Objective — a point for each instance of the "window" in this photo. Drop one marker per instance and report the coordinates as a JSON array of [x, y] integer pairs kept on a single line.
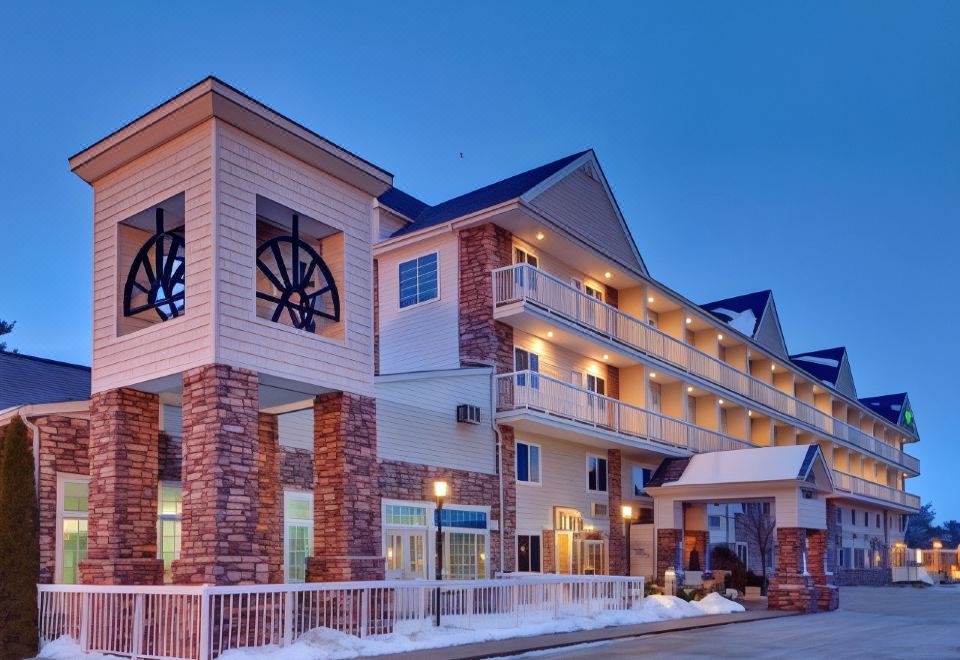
[[297, 534], [866, 518], [593, 292], [714, 522], [653, 319], [655, 397], [766, 508], [528, 463], [419, 280], [400, 514], [691, 409], [169, 515], [853, 516], [596, 474], [528, 553], [521, 256], [596, 385], [858, 558], [878, 521], [723, 421], [73, 493], [742, 552], [839, 516], [466, 555], [641, 476], [524, 360]]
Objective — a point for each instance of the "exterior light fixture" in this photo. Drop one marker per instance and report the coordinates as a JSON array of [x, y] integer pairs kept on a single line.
[[720, 337], [606, 357], [539, 235], [653, 374], [721, 402], [937, 544], [773, 367], [549, 333], [439, 491], [608, 274], [689, 388], [689, 320], [649, 299], [749, 413], [627, 512]]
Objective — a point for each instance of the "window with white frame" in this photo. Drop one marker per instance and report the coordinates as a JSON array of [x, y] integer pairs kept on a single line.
[[73, 497], [466, 555], [596, 384], [419, 280], [521, 256], [297, 534], [653, 319], [596, 474], [524, 360], [593, 292], [655, 397], [169, 522], [528, 463], [641, 476], [714, 522]]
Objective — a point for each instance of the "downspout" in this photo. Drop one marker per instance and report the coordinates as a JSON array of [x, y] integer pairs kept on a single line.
[[36, 449], [499, 434]]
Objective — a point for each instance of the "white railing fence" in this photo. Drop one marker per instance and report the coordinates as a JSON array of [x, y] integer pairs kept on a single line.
[[523, 282], [202, 622], [530, 390], [860, 486]]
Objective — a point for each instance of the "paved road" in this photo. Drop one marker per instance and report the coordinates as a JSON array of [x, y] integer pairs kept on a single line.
[[888, 622]]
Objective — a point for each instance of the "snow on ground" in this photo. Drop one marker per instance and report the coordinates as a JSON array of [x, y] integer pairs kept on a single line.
[[327, 644]]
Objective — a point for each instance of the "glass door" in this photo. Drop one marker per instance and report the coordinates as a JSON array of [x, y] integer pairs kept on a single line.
[[406, 559]]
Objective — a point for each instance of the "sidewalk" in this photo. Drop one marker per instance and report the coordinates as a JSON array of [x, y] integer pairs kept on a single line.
[[517, 645]]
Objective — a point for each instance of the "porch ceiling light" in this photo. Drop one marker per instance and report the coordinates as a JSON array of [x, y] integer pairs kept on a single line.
[[937, 545], [749, 413], [608, 275], [549, 333], [721, 402], [606, 357], [539, 235], [689, 320], [773, 367], [689, 388], [627, 511], [653, 374], [720, 337], [649, 299]]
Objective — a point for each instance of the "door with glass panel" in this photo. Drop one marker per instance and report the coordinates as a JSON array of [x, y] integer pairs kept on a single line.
[[406, 554], [566, 523], [298, 534]]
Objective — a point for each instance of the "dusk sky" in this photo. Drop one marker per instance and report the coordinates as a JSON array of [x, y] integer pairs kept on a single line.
[[809, 148]]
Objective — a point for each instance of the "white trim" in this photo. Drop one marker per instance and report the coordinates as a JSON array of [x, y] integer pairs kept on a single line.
[[300, 496], [438, 373], [437, 298]]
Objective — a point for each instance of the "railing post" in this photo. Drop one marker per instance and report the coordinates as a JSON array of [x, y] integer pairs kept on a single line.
[[203, 634], [288, 601], [515, 595], [85, 622], [136, 646], [364, 612]]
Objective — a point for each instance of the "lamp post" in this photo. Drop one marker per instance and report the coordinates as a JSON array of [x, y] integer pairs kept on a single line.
[[627, 511], [439, 491], [937, 546]]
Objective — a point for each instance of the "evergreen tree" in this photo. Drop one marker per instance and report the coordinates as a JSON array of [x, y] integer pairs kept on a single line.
[[5, 329], [19, 548], [920, 528]]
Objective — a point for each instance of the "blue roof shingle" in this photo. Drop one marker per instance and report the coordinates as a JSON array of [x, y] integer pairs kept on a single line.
[[25, 379]]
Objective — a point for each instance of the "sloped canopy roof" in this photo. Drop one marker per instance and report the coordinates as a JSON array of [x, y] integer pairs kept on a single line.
[[423, 215], [761, 464], [26, 380], [742, 313], [894, 408]]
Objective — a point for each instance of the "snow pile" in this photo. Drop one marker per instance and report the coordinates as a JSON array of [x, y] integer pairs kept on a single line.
[[327, 644]]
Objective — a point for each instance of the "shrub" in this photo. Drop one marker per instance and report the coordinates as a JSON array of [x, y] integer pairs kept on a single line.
[[724, 559], [19, 549], [754, 580]]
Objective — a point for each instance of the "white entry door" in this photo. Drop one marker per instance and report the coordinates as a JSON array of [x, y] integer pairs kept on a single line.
[[406, 558]]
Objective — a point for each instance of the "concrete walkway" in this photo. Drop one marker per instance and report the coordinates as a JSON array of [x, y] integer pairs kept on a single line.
[[520, 645]]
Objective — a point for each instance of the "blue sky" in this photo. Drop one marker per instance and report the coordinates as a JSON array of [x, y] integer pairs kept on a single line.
[[811, 148]]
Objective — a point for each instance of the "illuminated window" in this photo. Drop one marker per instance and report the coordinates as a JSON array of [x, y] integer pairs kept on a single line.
[[400, 514], [528, 553], [73, 494], [169, 516], [297, 534], [466, 555]]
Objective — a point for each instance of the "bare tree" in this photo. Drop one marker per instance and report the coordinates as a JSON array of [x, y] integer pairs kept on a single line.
[[759, 527]]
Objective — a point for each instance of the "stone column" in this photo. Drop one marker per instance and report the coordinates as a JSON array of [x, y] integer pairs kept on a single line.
[[483, 341], [826, 594], [834, 530], [668, 540], [509, 532], [548, 550], [347, 527], [791, 590], [270, 496], [220, 541], [122, 541], [617, 549]]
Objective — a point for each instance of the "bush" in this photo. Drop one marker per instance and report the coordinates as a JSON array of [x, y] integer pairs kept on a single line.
[[691, 594], [19, 549], [724, 559], [754, 580]]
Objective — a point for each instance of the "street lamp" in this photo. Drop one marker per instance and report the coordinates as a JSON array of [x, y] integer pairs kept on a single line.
[[439, 491], [627, 511], [937, 546]]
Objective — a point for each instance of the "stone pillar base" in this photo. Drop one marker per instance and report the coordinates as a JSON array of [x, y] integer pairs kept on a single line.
[[222, 570], [667, 542], [345, 569], [121, 571], [827, 595], [792, 593]]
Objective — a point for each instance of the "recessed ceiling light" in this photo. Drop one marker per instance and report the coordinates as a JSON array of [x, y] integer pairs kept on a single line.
[[653, 374], [689, 389], [649, 299], [773, 367], [608, 274], [606, 357], [721, 402], [720, 337], [549, 333], [539, 235], [689, 320]]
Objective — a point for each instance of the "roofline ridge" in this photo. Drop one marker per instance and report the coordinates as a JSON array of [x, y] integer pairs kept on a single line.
[[37, 358]]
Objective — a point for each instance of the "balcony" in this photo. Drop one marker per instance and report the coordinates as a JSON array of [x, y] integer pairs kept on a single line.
[[874, 491], [521, 288], [530, 392]]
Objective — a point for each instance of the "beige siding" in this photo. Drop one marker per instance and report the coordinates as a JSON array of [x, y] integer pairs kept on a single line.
[[183, 165], [563, 467], [417, 421], [768, 333], [388, 223], [296, 429], [558, 362], [559, 269], [580, 205], [247, 168], [426, 336]]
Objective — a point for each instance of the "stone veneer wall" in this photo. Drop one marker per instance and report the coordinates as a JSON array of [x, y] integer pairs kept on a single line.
[[270, 497], [64, 446], [548, 549], [347, 530], [864, 577], [171, 457], [790, 590], [220, 543], [296, 468], [668, 539], [617, 546], [826, 594], [124, 464], [483, 341], [834, 530]]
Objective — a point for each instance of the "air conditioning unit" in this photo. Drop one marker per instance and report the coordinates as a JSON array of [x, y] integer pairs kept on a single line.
[[599, 510], [468, 414]]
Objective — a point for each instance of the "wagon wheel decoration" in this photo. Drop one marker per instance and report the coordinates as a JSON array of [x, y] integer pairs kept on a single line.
[[304, 285], [157, 272]]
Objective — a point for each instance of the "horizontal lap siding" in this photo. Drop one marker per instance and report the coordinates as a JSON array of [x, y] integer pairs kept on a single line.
[[422, 337], [247, 168], [183, 165], [417, 422], [559, 362], [580, 205], [563, 477]]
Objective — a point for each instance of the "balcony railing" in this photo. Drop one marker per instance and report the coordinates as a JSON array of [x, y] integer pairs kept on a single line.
[[858, 486], [530, 390], [522, 282]]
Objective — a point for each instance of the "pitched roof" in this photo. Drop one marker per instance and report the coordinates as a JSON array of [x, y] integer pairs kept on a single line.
[[741, 313], [25, 379], [496, 193], [824, 364], [670, 469], [792, 462], [892, 407]]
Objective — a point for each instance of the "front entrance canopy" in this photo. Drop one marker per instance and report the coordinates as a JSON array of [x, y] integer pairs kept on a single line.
[[796, 477]]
